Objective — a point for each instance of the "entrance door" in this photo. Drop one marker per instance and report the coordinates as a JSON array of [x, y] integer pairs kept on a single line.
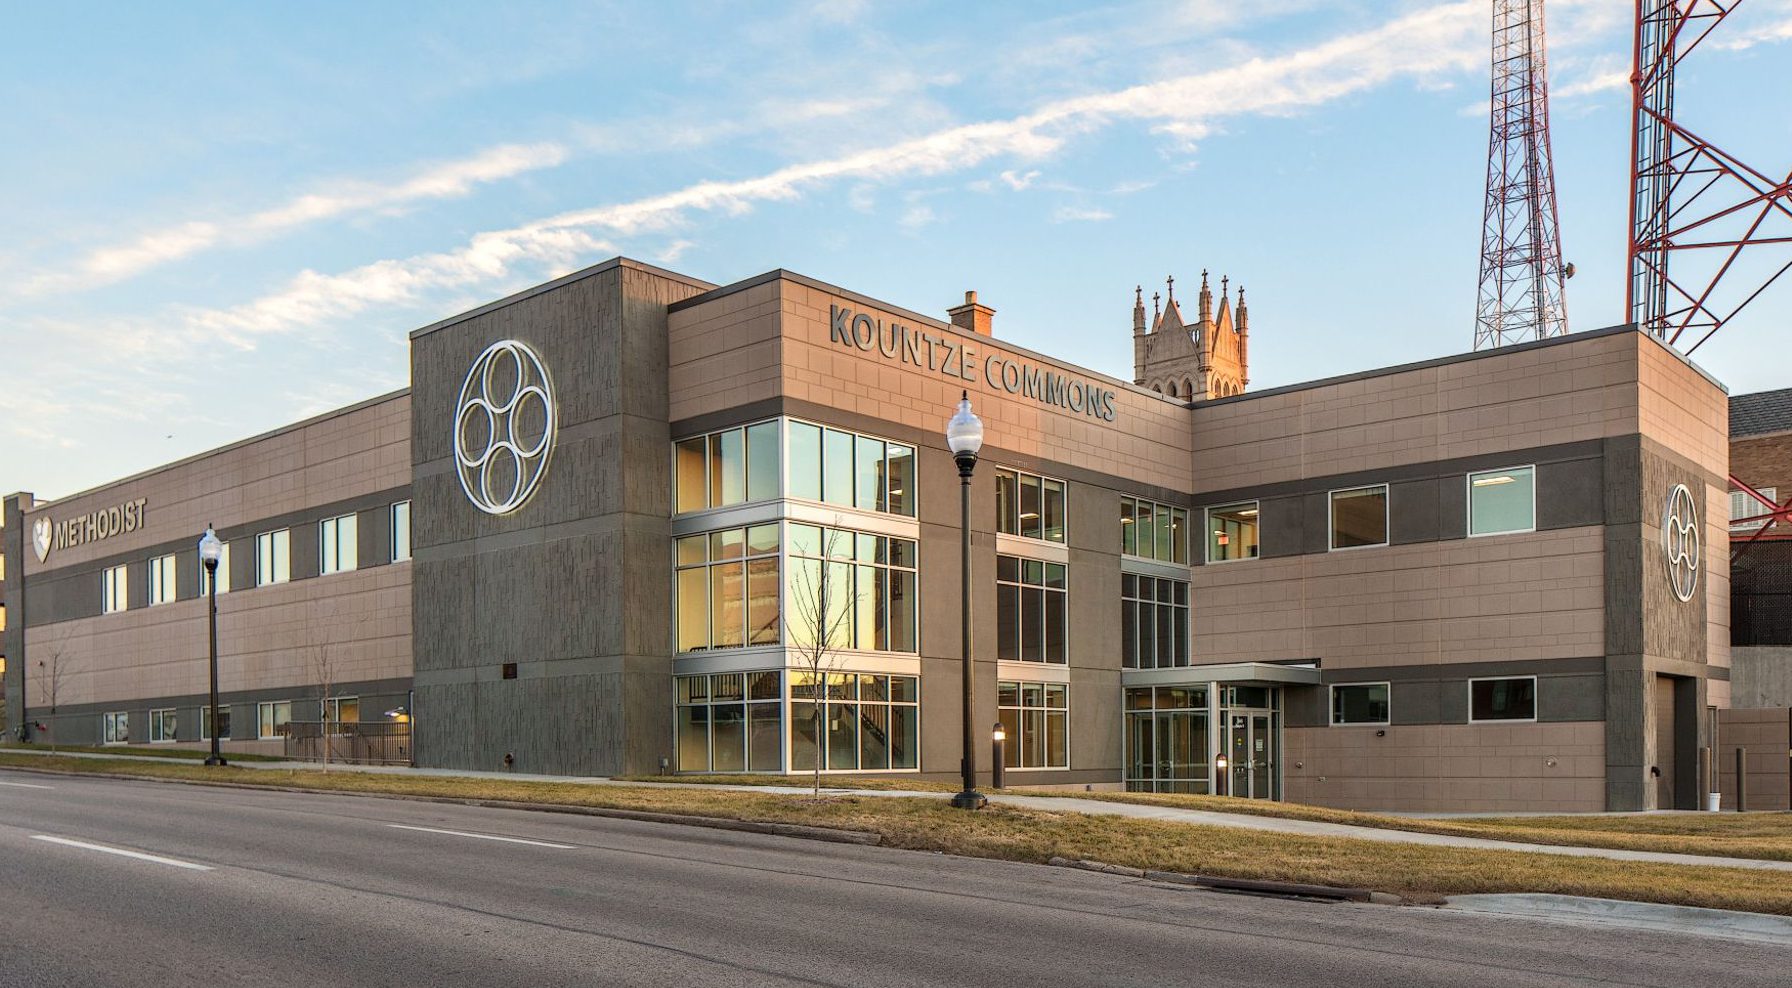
[[1252, 753]]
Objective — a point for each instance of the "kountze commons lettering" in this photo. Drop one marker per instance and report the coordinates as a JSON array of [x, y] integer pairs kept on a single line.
[[955, 359]]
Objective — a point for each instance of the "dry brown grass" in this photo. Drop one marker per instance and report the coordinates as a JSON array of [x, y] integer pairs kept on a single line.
[[1418, 872]]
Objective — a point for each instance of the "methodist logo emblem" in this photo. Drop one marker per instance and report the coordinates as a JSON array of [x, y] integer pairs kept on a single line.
[[43, 533], [1680, 542], [504, 427]]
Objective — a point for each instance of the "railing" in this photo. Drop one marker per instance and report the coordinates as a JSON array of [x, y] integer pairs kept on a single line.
[[363, 744]]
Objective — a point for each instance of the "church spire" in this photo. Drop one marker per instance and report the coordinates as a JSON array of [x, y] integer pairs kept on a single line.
[[1138, 311], [1206, 299]]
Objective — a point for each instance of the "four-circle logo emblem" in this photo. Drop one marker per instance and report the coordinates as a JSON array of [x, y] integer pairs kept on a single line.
[[1680, 542], [504, 427]]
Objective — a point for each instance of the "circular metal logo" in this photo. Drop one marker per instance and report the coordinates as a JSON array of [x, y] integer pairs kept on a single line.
[[1680, 542], [504, 427]]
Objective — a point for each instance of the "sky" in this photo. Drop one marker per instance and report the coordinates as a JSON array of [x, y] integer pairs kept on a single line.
[[220, 218]]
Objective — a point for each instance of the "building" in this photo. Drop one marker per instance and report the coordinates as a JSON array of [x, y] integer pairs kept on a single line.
[[602, 527]]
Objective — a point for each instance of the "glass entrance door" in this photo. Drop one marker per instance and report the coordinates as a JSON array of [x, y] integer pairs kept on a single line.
[[1251, 753]]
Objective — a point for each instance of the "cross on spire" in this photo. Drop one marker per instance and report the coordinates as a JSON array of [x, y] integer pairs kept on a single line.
[[1154, 298], [1171, 281]]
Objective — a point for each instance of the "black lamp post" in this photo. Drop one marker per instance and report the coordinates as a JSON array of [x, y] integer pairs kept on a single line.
[[210, 550], [998, 759], [964, 436]]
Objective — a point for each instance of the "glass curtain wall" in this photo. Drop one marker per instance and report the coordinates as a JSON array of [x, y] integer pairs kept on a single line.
[[854, 722], [730, 722], [1167, 740]]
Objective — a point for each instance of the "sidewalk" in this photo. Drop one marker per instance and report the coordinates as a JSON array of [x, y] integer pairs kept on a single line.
[[1050, 804]]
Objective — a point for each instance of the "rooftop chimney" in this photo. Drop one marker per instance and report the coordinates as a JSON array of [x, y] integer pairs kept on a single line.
[[972, 316]]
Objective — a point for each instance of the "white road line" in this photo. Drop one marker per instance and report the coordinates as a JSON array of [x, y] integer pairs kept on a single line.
[[121, 852], [463, 833], [25, 785]]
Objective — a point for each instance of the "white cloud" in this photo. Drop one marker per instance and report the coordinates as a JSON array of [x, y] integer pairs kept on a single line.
[[918, 216], [1418, 46], [447, 180], [1080, 214], [1017, 181]]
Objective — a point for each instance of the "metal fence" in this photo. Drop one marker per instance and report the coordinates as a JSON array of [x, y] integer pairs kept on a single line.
[[364, 744]]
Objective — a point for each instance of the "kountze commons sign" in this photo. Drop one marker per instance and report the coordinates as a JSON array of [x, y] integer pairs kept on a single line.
[[955, 359]]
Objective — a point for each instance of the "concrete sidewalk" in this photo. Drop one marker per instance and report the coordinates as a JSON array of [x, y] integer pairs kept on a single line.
[[1052, 804]]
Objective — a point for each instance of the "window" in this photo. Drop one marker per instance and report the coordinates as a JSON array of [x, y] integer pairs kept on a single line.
[[1155, 531], [851, 470], [272, 718], [733, 466], [866, 723], [273, 557], [340, 711], [1036, 717], [859, 589], [161, 725], [728, 588], [401, 531], [1360, 517], [1153, 622], [338, 544], [223, 571], [1743, 505], [1502, 699], [161, 580], [1360, 703], [115, 727], [205, 722], [1032, 611], [1502, 501], [1029, 505], [1232, 532], [731, 722], [114, 589], [1166, 739]]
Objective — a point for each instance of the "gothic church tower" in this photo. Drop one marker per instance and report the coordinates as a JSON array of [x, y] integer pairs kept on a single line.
[[1209, 358]]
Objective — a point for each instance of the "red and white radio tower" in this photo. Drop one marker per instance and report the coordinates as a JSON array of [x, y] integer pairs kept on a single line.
[[1690, 200], [1521, 252]]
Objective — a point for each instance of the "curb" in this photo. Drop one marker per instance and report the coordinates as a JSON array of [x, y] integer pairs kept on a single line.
[[829, 834], [1248, 885]]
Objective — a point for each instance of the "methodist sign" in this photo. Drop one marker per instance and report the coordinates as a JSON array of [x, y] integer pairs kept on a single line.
[[956, 359], [95, 526]]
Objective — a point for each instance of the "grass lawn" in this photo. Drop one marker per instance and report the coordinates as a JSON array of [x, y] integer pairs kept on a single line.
[[1730, 835], [928, 824], [146, 750]]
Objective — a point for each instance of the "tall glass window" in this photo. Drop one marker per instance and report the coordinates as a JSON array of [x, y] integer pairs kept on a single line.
[[851, 470], [401, 531], [339, 540], [115, 727], [730, 722], [1030, 505], [1154, 531], [1513, 698], [854, 722], [1036, 717], [1167, 739], [733, 466], [1153, 622], [1232, 532], [115, 585], [728, 588], [273, 557], [1359, 517], [162, 725], [1502, 501], [161, 580], [856, 590], [1032, 611]]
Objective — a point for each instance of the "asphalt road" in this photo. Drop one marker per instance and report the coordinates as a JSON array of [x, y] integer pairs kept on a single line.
[[253, 888]]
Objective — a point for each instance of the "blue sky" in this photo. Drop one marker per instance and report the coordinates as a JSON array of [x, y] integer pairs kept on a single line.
[[222, 217]]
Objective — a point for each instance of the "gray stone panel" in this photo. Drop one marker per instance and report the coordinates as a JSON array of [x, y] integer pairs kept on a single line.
[[1570, 493], [1571, 698], [1419, 702], [307, 550], [1761, 676], [1306, 706], [1283, 526], [373, 536], [1316, 522], [1452, 507], [1413, 511]]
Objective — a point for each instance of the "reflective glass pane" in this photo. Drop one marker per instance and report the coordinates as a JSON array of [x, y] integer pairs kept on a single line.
[[727, 599], [1129, 634], [904, 689], [805, 461], [1056, 635], [868, 474], [693, 739], [762, 539], [1053, 528], [802, 735], [805, 597], [905, 724], [1232, 532], [903, 602], [1011, 726], [728, 732], [867, 603], [1129, 529], [727, 468], [874, 736], [1031, 507], [838, 615], [1007, 502], [836, 466], [762, 461], [1057, 739], [899, 492], [1178, 535], [1162, 549], [762, 602], [765, 737], [692, 481], [1032, 624], [693, 549], [693, 609], [843, 735], [729, 543], [1359, 517], [902, 552], [762, 686], [805, 540], [1501, 501], [1007, 622]]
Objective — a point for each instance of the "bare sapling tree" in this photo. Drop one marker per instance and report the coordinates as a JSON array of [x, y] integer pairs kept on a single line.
[[52, 675], [818, 624], [327, 667]]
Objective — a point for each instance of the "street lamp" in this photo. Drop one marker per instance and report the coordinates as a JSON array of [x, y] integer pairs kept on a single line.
[[210, 550], [964, 436]]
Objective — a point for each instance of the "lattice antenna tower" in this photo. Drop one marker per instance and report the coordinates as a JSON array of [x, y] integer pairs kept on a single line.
[[1692, 201], [1520, 295]]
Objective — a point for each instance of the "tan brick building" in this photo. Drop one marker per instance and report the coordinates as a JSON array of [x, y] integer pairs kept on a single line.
[[1488, 582]]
